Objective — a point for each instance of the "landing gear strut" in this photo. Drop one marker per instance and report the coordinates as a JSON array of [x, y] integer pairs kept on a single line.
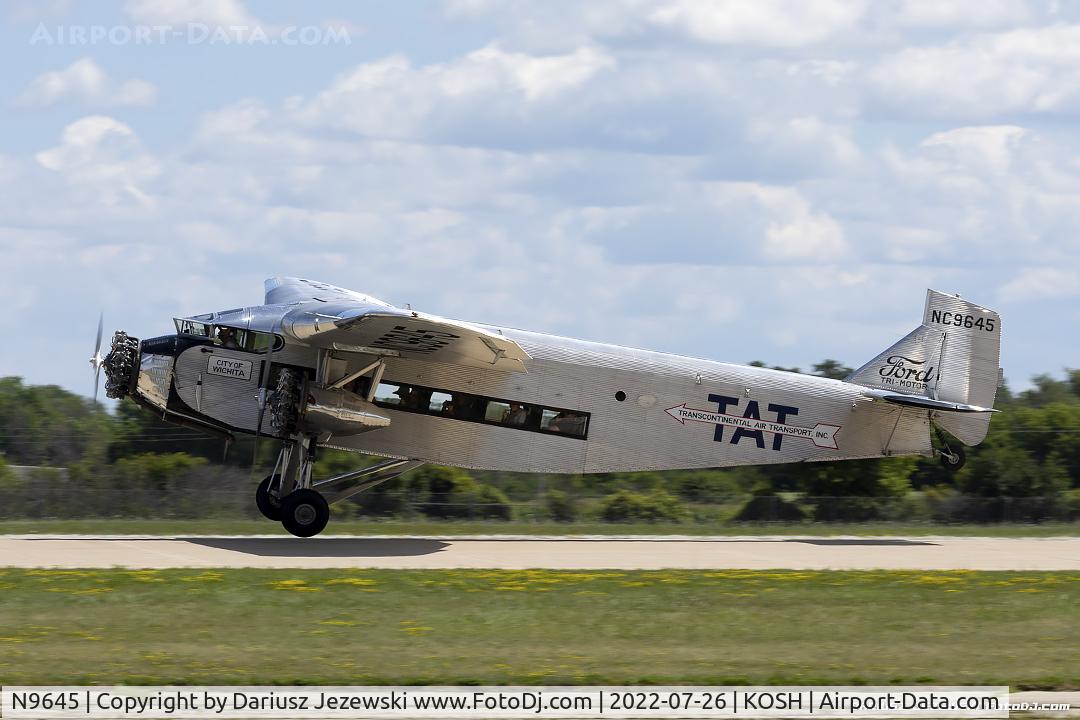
[[269, 505], [303, 507]]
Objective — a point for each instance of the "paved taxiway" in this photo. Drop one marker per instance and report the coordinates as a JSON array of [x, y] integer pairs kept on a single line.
[[516, 552]]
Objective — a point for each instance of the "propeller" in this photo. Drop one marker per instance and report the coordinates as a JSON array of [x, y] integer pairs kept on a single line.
[[96, 361]]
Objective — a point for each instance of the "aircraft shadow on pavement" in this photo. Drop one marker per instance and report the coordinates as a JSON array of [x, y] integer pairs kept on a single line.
[[323, 547], [860, 541]]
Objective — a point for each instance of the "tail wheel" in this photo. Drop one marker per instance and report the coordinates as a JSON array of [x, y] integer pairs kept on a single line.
[[268, 505], [952, 459], [304, 513]]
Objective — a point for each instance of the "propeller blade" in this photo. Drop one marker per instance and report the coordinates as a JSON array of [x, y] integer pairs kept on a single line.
[[96, 361], [100, 327]]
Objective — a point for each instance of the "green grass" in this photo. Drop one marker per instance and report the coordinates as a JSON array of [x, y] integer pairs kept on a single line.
[[434, 528], [539, 627]]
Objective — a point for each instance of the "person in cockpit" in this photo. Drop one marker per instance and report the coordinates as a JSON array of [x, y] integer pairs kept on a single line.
[[227, 338]]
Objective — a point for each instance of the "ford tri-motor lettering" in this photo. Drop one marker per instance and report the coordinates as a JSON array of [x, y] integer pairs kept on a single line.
[[906, 372]]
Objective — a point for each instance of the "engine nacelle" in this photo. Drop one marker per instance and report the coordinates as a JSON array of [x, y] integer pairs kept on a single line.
[[339, 412]]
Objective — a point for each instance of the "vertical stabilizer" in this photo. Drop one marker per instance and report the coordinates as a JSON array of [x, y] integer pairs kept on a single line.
[[953, 357]]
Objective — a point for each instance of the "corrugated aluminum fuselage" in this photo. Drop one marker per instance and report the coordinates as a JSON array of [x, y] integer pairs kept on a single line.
[[677, 412]]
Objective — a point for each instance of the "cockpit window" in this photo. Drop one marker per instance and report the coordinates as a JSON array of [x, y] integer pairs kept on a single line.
[[192, 327], [232, 338], [248, 340]]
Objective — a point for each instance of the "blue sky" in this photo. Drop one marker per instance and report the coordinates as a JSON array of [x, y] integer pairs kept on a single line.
[[737, 180]]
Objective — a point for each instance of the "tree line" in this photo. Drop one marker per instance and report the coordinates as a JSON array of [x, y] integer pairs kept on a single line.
[[129, 462]]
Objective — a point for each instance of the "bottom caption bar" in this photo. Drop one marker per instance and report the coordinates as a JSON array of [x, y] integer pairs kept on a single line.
[[299, 702]]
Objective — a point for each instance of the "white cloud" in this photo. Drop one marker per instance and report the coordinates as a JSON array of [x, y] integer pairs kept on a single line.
[[1041, 283], [1029, 70], [961, 13], [769, 23], [795, 231], [391, 98], [29, 11], [989, 147], [539, 77], [84, 81], [223, 13], [103, 159]]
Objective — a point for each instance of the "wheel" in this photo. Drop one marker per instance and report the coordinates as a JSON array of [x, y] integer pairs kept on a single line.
[[304, 513], [268, 505], [952, 459]]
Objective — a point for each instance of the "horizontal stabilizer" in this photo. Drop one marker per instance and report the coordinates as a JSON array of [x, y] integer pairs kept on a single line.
[[925, 402]]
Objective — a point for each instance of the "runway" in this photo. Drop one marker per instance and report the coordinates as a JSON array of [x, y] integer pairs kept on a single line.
[[522, 551]]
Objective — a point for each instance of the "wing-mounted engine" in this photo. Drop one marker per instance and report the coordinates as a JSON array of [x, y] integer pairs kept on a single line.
[[339, 412], [284, 403], [297, 406]]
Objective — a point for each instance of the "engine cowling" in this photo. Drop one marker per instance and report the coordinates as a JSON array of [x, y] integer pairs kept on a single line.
[[340, 412]]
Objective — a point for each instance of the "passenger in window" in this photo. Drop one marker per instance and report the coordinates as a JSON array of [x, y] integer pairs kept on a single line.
[[408, 396], [518, 415], [567, 422], [422, 399], [468, 407], [555, 423]]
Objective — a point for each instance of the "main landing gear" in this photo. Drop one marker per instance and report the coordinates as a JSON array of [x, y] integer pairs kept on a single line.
[[288, 494]]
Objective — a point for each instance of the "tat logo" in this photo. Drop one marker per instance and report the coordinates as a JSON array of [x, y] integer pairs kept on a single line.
[[750, 425], [905, 372]]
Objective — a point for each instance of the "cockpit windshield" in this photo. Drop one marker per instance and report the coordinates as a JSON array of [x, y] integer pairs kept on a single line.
[[192, 327], [232, 338]]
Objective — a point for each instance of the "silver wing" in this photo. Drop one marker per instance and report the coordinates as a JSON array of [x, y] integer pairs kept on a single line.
[[335, 318]]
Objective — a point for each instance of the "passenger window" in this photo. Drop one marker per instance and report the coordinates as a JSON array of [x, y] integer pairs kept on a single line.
[[476, 408], [547, 420], [441, 403], [564, 422], [468, 407], [524, 416], [388, 394], [497, 412]]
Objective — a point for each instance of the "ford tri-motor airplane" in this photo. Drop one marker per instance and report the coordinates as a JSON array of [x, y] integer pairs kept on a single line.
[[321, 366]]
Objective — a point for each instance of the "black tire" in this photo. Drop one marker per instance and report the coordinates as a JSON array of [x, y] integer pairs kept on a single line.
[[304, 513], [268, 505], [954, 463]]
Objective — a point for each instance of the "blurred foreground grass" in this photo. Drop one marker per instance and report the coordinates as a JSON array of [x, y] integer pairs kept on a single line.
[[539, 627]]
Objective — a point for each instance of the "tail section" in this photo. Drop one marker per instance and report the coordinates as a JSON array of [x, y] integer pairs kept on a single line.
[[949, 365]]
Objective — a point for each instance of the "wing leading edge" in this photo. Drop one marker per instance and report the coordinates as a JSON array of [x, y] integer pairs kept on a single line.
[[338, 319]]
